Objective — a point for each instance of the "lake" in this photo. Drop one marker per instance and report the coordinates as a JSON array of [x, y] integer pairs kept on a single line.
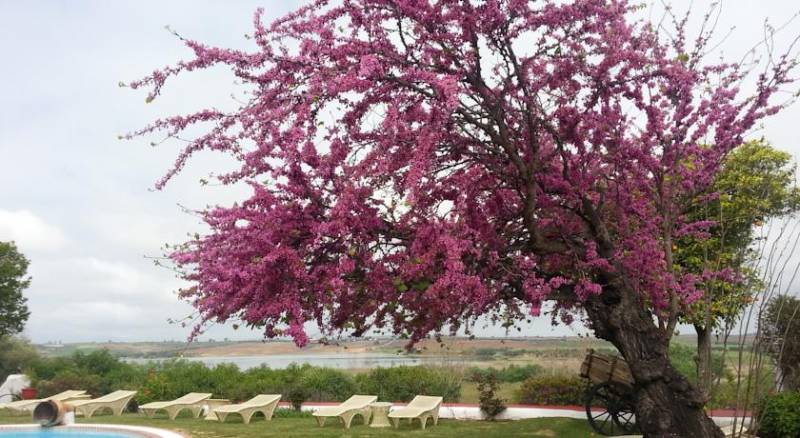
[[342, 360]]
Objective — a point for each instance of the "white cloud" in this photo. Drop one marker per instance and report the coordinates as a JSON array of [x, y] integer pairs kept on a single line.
[[29, 231]]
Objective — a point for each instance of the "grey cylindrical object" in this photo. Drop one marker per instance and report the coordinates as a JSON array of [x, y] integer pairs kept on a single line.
[[50, 413]]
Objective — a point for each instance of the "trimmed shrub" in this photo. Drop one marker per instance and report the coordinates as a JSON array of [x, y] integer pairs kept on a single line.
[[491, 405], [404, 382], [558, 390], [297, 395], [780, 416]]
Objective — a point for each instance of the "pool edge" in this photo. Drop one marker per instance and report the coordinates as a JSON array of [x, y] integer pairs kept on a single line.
[[141, 431]]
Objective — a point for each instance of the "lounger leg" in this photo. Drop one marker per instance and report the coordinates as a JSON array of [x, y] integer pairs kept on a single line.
[[436, 419], [422, 421], [396, 422], [320, 421], [149, 413], [89, 412], [347, 419], [221, 416], [268, 413], [118, 410], [367, 414], [196, 411], [173, 412], [246, 416]]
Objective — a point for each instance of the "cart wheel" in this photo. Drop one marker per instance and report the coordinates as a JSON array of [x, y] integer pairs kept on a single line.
[[609, 410]]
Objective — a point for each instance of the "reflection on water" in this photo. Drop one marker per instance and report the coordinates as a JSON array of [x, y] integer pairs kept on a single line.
[[343, 360]]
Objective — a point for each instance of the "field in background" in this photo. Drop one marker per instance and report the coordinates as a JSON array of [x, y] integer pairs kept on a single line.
[[562, 355], [554, 355]]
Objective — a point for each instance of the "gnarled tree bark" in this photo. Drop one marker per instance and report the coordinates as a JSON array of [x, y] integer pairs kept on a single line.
[[667, 404]]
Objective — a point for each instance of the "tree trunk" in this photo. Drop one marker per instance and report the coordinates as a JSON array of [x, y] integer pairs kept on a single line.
[[704, 375], [666, 404]]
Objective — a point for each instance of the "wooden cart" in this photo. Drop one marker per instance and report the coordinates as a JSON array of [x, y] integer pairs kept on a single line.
[[609, 395]]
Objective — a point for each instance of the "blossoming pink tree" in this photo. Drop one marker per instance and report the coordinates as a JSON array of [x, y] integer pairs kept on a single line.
[[415, 165]]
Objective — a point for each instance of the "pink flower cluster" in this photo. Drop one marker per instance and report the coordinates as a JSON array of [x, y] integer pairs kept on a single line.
[[417, 164]]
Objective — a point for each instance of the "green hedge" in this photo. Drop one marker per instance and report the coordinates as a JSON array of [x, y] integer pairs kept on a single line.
[[402, 383], [99, 372], [558, 390], [173, 379]]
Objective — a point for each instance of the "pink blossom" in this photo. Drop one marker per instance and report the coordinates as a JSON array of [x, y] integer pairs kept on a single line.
[[412, 169]]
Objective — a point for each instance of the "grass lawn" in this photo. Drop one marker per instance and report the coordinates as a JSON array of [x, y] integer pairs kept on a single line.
[[306, 427]]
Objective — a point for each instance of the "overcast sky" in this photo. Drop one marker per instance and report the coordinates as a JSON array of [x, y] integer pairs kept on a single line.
[[78, 202]]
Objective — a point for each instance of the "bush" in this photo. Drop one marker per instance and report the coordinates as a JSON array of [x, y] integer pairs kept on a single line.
[[172, 379], [297, 395], [780, 416], [98, 373], [69, 379], [15, 355], [327, 384], [509, 374], [558, 390], [291, 413], [491, 405], [404, 382]]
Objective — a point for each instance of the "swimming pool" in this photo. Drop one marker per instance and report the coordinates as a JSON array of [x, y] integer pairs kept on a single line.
[[76, 431]]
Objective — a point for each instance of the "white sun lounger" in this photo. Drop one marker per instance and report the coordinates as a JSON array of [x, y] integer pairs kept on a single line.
[[115, 401], [355, 405], [21, 405], [264, 403], [192, 401], [422, 407]]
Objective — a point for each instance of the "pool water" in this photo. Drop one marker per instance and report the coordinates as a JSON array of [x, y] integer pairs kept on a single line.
[[86, 431]]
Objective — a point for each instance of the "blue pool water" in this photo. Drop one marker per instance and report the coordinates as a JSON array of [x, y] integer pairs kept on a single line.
[[36, 433]]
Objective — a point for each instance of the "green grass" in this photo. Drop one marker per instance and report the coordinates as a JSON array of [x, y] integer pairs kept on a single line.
[[307, 427]]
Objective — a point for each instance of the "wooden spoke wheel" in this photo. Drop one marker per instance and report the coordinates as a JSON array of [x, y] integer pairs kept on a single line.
[[609, 409]]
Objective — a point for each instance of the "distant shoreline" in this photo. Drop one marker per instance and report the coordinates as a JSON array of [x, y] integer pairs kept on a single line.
[[450, 346]]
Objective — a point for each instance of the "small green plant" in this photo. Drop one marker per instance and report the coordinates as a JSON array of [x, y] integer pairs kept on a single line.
[[780, 416], [291, 413], [491, 405], [297, 395]]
